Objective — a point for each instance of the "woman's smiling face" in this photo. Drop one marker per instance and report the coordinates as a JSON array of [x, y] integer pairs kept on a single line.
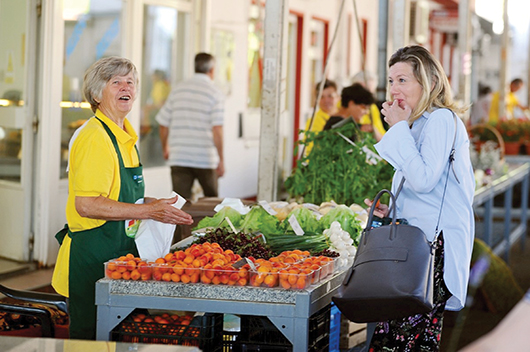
[[118, 95], [404, 87]]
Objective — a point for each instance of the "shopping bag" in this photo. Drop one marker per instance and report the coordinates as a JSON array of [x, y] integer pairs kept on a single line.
[[392, 274], [154, 238]]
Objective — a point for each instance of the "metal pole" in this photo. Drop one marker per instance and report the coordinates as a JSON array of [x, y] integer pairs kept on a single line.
[[382, 48], [273, 96], [504, 63]]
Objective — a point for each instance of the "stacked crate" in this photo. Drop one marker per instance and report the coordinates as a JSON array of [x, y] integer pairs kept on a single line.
[[351, 334]]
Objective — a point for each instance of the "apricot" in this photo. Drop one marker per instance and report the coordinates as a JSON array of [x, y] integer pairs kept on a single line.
[[178, 269], [157, 275], [122, 266], [270, 281], [168, 257], [195, 277], [185, 278], [131, 265], [143, 268], [111, 266], [301, 283], [116, 275], [175, 277], [126, 275], [285, 284], [135, 275]]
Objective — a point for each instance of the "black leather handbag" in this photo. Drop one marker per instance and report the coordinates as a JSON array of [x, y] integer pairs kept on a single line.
[[392, 275]]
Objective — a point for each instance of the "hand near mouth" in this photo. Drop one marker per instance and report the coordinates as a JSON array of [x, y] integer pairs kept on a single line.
[[396, 111]]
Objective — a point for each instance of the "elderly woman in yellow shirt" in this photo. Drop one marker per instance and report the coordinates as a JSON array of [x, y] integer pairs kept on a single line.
[[105, 192]]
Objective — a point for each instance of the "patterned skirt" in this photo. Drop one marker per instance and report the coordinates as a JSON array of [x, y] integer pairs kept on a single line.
[[421, 332]]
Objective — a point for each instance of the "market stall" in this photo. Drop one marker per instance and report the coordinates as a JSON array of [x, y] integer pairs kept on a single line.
[[518, 173], [288, 310]]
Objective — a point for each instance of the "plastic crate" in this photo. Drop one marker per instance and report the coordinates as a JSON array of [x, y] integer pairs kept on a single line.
[[260, 334], [334, 329], [204, 331]]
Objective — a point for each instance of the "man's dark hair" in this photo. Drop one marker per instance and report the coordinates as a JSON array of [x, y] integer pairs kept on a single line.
[[327, 83], [356, 93], [204, 62], [517, 81]]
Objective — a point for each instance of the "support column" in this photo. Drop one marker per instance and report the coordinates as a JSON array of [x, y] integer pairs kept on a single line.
[[273, 96], [400, 24], [465, 8], [504, 61], [382, 50]]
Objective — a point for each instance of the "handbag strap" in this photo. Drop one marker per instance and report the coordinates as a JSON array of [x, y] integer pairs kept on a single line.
[[450, 166]]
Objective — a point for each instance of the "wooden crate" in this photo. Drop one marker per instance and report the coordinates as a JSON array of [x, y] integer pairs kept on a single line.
[[351, 334]]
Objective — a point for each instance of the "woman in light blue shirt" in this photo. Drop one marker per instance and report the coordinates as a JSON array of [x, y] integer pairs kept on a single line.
[[422, 130]]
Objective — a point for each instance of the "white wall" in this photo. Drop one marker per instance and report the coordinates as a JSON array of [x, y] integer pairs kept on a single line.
[[241, 156]]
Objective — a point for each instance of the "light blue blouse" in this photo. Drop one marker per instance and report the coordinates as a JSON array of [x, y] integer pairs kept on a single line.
[[421, 154]]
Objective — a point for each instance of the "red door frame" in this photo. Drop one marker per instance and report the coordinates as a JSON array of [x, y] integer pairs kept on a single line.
[[298, 77]]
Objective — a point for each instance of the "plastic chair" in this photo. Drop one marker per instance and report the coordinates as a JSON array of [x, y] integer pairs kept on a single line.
[[43, 315]]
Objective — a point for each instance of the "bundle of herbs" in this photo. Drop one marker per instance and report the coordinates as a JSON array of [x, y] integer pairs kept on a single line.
[[337, 170]]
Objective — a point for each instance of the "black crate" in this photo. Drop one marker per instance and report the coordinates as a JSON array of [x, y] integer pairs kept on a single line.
[[260, 334], [204, 331]]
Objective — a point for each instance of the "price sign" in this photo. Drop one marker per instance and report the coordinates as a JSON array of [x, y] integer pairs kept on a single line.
[[296, 226], [265, 205]]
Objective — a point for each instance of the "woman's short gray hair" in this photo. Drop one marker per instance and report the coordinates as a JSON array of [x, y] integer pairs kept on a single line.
[[101, 71]]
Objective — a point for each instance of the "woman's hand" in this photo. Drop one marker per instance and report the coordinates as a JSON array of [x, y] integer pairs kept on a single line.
[[395, 111], [163, 210], [380, 210]]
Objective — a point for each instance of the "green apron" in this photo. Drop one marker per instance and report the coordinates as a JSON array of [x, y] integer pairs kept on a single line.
[[91, 248]]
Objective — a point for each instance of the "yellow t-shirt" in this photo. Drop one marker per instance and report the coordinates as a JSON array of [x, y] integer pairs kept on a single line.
[[511, 103], [320, 121], [376, 116], [93, 171]]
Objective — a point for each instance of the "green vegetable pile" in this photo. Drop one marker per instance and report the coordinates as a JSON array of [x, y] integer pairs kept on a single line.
[[336, 170], [279, 235]]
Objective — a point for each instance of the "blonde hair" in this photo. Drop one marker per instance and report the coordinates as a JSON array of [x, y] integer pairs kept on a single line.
[[429, 73], [101, 71]]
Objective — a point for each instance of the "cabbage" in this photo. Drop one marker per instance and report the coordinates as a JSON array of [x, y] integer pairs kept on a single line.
[[258, 219], [217, 221]]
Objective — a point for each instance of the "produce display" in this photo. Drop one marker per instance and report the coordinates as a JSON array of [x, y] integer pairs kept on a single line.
[[208, 263], [278, 245], [337, 170], [278, 230]]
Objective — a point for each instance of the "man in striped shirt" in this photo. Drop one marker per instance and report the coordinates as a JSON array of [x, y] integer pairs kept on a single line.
[[191, 129]]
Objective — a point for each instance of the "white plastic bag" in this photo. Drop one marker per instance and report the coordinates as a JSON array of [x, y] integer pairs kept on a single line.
[[154, 238]]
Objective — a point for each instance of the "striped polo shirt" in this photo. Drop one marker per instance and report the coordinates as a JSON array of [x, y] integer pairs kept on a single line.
[[191, 110]]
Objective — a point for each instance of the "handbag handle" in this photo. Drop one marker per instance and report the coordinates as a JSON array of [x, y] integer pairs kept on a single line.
[[371, 214]]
